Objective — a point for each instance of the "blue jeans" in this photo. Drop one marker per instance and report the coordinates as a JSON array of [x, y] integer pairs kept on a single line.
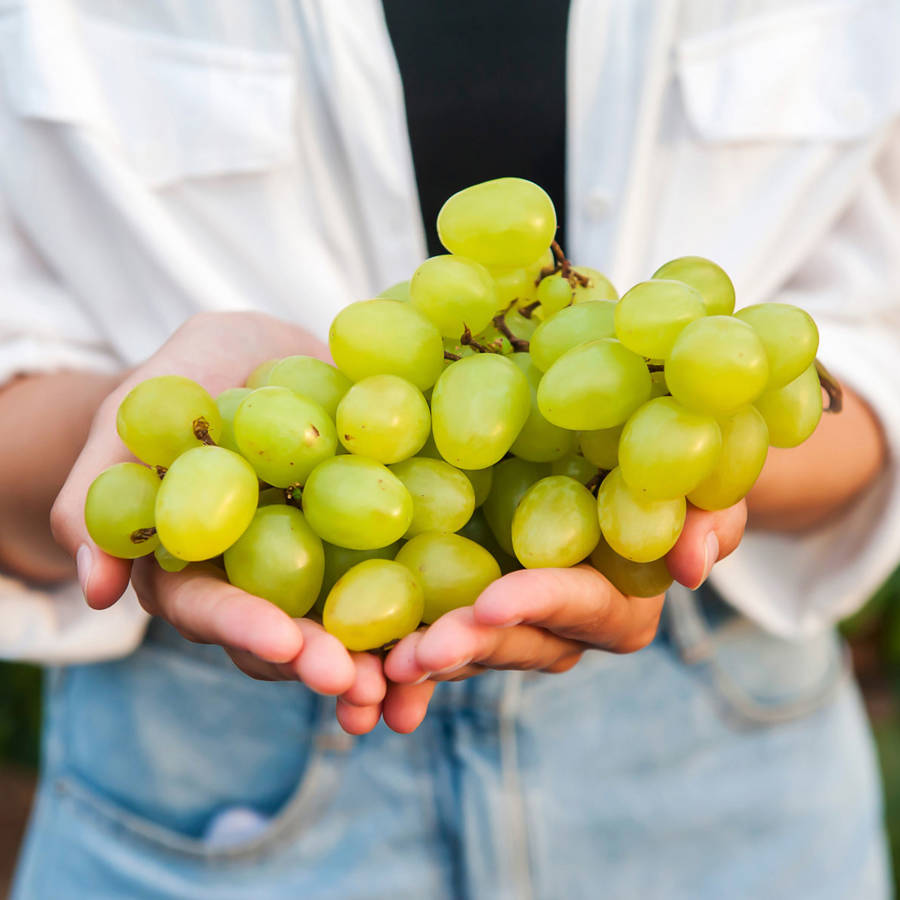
[[715, 763]]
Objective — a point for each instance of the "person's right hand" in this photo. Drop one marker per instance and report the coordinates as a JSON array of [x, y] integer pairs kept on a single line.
[[218, 350]]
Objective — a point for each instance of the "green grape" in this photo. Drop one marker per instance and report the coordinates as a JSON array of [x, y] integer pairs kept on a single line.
[[544, 263], [717, 365], [478, 408], [523, 327], [119, 510], [259, 377], [513, 285], [504, 222], [455, 293], [385, 418], [357, 503], [271, 497], [665, 450], [633, 579], [571, 327], [283, 435], [704, 276], [653, 313], [555, 524], [601, 447], [443, 497], [383, 337], [574, 466], [312, 379], [555, 293], [512, 478], [478, 530], [398, 291], [162, 417], [597, 385], [658, 386], [228, 402], [205, 502], [166, 561], [745, 442], [598, 286], [481, 480], [452, 570], [793, 411], [789, 335], [639, 530], [377, 602], [539, 441], [339, 560], [457, 349], [278, 558]]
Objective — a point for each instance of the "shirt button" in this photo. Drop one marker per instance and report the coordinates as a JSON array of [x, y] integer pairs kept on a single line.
[[598, 204]]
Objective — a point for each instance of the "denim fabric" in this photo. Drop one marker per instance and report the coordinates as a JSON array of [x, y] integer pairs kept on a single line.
[[627, 777]]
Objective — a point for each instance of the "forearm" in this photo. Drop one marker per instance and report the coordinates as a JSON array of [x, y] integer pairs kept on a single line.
[[803, 486], [44, 420]]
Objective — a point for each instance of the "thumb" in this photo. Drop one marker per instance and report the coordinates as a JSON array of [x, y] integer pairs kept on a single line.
[[706, 538]]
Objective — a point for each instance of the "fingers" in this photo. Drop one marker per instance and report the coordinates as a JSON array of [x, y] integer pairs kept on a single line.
[[405, 705], [456, 645], [369, 684], [201, 605], [357, 719], [706, 538], [577, 604]]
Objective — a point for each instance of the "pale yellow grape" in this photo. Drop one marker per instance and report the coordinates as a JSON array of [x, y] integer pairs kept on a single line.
[[789, 335], [599, 287], [481, 480], [717, 365], [504, 222], [554, 293], [478, 530], [398, 291], [478, 408], [357, 503], [745, 443], [278, 558], [384, 337], [571, 327], [639, 530], [596, 385], [312, 379], [666, 450], [452, 570], [704, 276], [651, 315], [793, 411], [574, 466], [339, 560], [539, 440], [228, 402], [443, 497], [166, 561], [119, 510], [512, 478], [205, 502], [259, 377], [631, 578], [383, 417], [555, 524], [601, 447], [455, 293], [283, 435], [377, 602], [513, 285], [162, 417]]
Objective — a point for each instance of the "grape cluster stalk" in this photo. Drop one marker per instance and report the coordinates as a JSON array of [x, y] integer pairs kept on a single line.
[[502, 409]]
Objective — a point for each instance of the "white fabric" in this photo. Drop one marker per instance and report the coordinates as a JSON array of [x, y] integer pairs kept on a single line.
[[160, 158]]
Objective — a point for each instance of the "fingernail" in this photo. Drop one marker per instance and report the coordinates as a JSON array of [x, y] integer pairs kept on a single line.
[[454, 668], [84, 560], [421, 680], [511, 623], [712, 554]]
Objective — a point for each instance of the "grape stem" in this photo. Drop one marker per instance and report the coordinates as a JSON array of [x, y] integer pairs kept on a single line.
[[527, 311], [468, 341], [160, 471], [142, 534], [832, 387], [293, 495], [451, 356], [594, 484], [201, 432], [518, 344], [565, 267]]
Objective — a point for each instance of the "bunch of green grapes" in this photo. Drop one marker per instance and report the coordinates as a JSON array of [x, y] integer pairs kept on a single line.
[[500, 409]]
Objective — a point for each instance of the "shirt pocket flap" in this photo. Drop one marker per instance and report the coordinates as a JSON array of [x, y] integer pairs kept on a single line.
[[824, 71], [174, 108]]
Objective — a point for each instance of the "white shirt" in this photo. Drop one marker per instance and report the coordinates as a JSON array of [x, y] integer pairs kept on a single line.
[[160, 158]]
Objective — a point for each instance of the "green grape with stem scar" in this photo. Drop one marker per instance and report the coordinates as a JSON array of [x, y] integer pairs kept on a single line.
[[119, 510]]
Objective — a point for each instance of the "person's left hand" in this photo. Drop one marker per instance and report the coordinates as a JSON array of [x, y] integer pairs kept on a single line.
[[537, 619]]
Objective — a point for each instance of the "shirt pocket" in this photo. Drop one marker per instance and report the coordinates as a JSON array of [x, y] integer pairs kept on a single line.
[[818, 72], [171, 107]]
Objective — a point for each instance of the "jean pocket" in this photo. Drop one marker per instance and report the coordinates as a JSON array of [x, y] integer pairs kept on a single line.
[[158, 747]]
